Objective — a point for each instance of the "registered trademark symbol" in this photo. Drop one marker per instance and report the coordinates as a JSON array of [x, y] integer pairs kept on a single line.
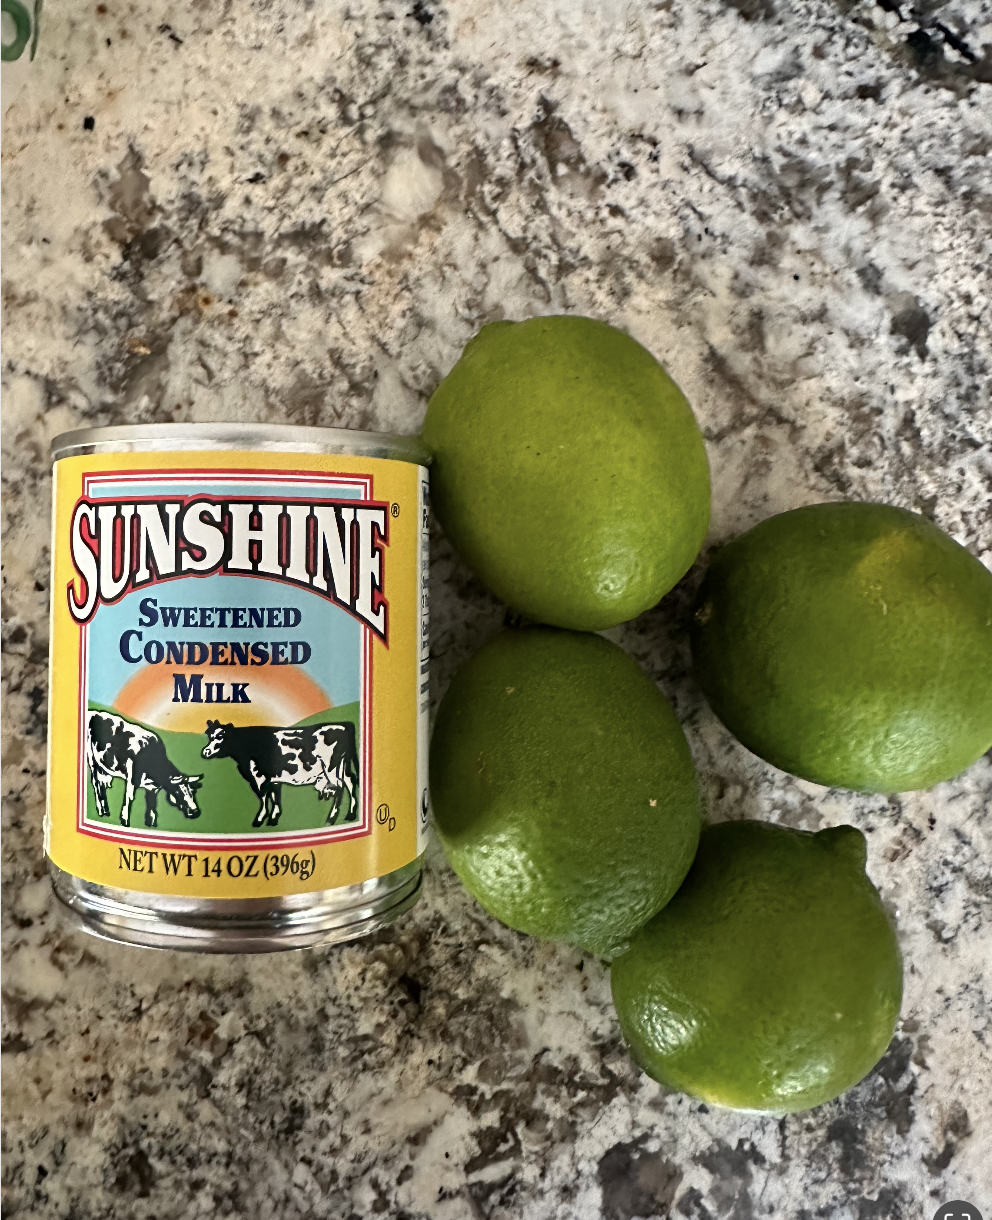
[[394, 510]]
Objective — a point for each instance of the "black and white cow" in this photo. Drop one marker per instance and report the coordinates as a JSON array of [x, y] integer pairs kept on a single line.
[[118, 749], [321, 756]]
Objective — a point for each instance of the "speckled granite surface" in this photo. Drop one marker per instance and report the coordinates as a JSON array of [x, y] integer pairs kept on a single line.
[[300, 212]]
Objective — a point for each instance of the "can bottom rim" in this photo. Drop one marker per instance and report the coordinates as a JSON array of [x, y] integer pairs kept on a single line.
[[95, 910]]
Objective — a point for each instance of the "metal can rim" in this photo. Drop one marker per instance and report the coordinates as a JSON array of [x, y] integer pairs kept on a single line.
[[287, 438]]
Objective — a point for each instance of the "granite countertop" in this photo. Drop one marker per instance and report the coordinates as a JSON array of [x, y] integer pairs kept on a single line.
[[299, 212]]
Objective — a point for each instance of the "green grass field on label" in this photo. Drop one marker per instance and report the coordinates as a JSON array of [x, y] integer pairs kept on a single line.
[[226, 801]]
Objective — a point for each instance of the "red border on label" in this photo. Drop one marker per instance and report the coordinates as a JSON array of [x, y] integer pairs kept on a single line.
[[271, 840]]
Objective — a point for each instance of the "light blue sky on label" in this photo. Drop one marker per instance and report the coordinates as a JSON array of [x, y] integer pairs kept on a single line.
[[334, 635], [209, 484]]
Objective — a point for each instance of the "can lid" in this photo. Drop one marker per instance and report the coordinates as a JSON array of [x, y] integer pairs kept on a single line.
[[285, 438]]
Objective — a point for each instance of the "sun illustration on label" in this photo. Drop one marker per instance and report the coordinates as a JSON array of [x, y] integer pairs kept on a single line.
[[279, 695]]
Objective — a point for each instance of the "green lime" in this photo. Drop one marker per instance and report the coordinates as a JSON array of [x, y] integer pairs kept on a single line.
[[772, 980], [850, 644], [563, 788], [568, 471]]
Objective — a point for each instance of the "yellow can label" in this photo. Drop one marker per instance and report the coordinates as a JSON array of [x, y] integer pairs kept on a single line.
[[238, 671]]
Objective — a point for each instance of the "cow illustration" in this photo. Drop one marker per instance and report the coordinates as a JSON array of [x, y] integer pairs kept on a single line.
[[118, 749], [319, 756]]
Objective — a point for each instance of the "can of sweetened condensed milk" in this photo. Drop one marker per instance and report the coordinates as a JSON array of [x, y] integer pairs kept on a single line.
[[238, 712]]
